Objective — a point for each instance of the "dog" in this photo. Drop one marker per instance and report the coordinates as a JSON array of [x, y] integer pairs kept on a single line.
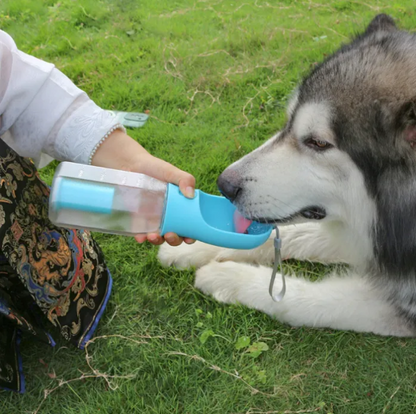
[[340, 182]]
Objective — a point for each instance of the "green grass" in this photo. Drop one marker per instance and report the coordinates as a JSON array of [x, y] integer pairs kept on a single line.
[[215, 76]]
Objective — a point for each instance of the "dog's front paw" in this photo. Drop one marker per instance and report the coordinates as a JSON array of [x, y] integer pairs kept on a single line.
[[222, 280], [187, 255]]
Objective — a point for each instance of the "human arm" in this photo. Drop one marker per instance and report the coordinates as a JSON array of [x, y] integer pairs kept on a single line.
[[43, 112]]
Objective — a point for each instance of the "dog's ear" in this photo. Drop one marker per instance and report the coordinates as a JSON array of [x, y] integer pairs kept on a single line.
[[406, 122], [382, 22]]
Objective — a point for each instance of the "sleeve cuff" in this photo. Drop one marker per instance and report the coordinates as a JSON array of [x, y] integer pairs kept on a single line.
[[83, 132]]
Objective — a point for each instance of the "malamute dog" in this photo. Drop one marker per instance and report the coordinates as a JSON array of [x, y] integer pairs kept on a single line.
[[340, 180]]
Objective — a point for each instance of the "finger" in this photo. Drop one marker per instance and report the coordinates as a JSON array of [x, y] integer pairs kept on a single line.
[[164, 171], [141, 238], [173, 239], [158, 242], [184, 180], [187, 185], [187, 240], [155, 238]]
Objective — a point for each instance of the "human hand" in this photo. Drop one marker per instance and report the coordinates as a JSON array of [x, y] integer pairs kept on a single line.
[[119, 151], [162, 170]]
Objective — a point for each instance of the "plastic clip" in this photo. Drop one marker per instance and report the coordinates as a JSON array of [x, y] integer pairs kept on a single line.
[[277, 264]]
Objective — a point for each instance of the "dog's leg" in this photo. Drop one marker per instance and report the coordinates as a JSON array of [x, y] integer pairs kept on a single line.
[[185, 255], [313, 242], [346, 303], [308, 241]]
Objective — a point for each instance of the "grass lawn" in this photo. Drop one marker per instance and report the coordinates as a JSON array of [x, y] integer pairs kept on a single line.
[[215, 76]]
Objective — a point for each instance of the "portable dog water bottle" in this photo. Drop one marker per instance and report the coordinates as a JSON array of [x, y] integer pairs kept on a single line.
[[120, 202]]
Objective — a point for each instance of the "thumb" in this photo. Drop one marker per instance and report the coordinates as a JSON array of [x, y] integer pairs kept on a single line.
[[162, 170]]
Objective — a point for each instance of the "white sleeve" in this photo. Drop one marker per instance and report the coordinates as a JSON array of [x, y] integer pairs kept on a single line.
[[43, 111]]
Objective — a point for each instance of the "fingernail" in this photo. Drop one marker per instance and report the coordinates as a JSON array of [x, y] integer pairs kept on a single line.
[[152, 237], [189, 192]]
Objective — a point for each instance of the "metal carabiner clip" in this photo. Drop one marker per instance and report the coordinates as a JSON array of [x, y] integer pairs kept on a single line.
[[277, 264]]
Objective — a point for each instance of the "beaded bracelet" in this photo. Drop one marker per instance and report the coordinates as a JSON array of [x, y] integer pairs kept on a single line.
[[110, 131]]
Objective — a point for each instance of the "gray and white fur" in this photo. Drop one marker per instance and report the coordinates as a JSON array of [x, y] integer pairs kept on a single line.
[[340, 180]]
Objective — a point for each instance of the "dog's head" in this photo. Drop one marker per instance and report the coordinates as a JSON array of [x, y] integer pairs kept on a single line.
[[348, 150]]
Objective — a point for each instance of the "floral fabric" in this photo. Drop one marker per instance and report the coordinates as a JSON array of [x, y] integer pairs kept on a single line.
[[49, 276]]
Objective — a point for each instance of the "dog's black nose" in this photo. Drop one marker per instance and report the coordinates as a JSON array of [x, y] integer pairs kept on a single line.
[[229, 187]]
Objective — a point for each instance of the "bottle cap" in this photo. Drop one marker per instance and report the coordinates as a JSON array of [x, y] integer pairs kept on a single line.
[[210, 219]]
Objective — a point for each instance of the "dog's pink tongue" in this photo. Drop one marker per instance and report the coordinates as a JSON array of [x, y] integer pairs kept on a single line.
[[241, 224]]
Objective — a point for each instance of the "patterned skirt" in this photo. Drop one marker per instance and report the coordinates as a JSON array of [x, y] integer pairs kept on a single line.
[[50, 278]]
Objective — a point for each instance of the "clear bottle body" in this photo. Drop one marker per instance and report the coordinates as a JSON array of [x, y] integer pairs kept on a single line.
[[106, 200]]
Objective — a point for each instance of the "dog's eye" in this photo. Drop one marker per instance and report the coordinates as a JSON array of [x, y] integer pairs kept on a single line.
[[317, 144]]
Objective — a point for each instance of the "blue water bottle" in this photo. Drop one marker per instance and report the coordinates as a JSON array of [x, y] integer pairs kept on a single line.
[[127, 203]]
